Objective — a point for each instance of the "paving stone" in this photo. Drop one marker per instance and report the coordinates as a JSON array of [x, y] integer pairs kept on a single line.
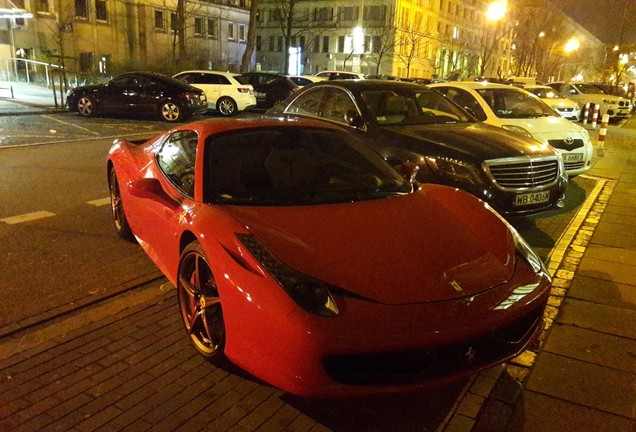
[[593, 347], [607, 319], [603, 269], [604, 292], [585, 384], [540, 413]]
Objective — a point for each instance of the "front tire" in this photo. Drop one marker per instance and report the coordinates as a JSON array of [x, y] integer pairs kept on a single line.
[[117, 207], [170, 112], [226, 106], [200, 303], [86, 106]]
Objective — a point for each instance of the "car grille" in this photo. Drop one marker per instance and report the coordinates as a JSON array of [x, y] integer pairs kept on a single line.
[[405, 367], [522, 173], [623, 103], [562, 144], [574, 165], [565, 109]]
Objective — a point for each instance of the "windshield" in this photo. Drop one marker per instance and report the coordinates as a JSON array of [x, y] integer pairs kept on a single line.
[[412, 107], [295, 166], [545, 92], [589, 89], [515, 103]]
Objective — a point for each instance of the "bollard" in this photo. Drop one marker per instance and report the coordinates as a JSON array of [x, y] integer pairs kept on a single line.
[[586, 113], [597, 107], [603, 131]]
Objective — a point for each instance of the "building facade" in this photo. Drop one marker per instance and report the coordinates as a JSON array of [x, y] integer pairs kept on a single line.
[[109, 36], [404, 38]]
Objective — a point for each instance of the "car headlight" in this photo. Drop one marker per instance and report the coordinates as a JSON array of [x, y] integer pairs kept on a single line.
[[523, 249], [453, 169], [517, 129], [311, 294]]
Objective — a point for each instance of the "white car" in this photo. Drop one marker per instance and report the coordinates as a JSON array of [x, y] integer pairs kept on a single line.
[[518, 110], [582, 93], [566, 107], [333, 75], [225, 94], [303, 80]]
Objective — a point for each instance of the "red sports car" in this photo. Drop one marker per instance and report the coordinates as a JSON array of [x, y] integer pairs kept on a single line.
[[302, 257]]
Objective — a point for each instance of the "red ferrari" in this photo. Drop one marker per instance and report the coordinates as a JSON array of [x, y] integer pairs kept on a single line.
[[302, 257]]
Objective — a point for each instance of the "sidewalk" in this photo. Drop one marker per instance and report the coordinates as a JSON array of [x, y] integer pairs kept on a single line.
[[27, 99], [583, 377], [132, 368]]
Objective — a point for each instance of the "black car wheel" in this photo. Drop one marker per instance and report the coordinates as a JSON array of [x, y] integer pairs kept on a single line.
[[226, 106], [117, 207], [170, 112], [86, 106], [200, 304]]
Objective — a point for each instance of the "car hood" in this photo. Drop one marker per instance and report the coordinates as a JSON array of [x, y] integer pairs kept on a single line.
[[565, 103], [544, 125], [468, 141], [433, 245]]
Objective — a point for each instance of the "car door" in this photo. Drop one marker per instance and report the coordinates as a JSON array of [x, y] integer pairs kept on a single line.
[[175, 169], [145, 97], [119, 94]]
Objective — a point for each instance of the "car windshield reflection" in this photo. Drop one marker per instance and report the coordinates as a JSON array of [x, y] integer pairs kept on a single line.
[[295, 166], [511, 103], [411, 107]]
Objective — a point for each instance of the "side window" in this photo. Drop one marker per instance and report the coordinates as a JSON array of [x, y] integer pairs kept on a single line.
[[467, 101], [308, 103], [176, 159], [336, 106]]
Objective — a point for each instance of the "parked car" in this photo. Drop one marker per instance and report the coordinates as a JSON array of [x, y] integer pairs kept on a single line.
[[565, 107], [305, 259], [616, 91], [225, 94], [409, 122], [339, 75], [269, 88], [616, 107], [139, 93], [518, 110], [303, 80]]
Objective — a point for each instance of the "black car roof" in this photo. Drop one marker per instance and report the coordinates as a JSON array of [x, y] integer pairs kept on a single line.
[[364, 84]]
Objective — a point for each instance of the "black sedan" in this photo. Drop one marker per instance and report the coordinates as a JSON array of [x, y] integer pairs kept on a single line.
[[139, 93], [270, 88], [410, 123]]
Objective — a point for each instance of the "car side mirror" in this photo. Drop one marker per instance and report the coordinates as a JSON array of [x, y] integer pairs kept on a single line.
[[409, 171], [150, 188], [354, 119]]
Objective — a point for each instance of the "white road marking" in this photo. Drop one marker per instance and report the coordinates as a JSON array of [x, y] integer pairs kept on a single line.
[[99, 202], [27, 217], [70, 124]]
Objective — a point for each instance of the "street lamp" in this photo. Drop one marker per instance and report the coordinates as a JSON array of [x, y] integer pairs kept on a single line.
[[571, 45], [496, 10]]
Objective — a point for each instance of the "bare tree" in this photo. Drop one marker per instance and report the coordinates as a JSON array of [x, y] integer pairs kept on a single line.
[[250, 47], [411, 40]]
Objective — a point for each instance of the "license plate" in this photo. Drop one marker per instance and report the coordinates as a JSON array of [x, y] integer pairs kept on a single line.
[[572, 157], [532, 198]]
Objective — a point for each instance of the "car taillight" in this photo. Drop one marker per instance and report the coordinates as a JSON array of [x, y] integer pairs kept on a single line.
[[243, 90]]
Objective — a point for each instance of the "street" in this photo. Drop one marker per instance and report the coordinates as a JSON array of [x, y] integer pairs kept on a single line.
[[60, 253]]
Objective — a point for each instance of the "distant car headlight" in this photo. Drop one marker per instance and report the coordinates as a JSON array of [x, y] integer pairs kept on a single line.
[[453, 169], [517, 129], [309, 293]]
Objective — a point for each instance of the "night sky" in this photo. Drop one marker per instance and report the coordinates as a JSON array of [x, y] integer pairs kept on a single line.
[[604, 18]]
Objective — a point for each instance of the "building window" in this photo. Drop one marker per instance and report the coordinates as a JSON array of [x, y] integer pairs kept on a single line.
[[274, 15], [230, 31], [376, 13], [325, 44], [271, 43], [348, 13], [42, 6], [81, 8], [198, 26], [173, 22], [211, 28], [258, 42], [279, 43], [159, 20], [101, 14], [341, 44], [316, 44], [86, 62], [323, 14], [241, 32]]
